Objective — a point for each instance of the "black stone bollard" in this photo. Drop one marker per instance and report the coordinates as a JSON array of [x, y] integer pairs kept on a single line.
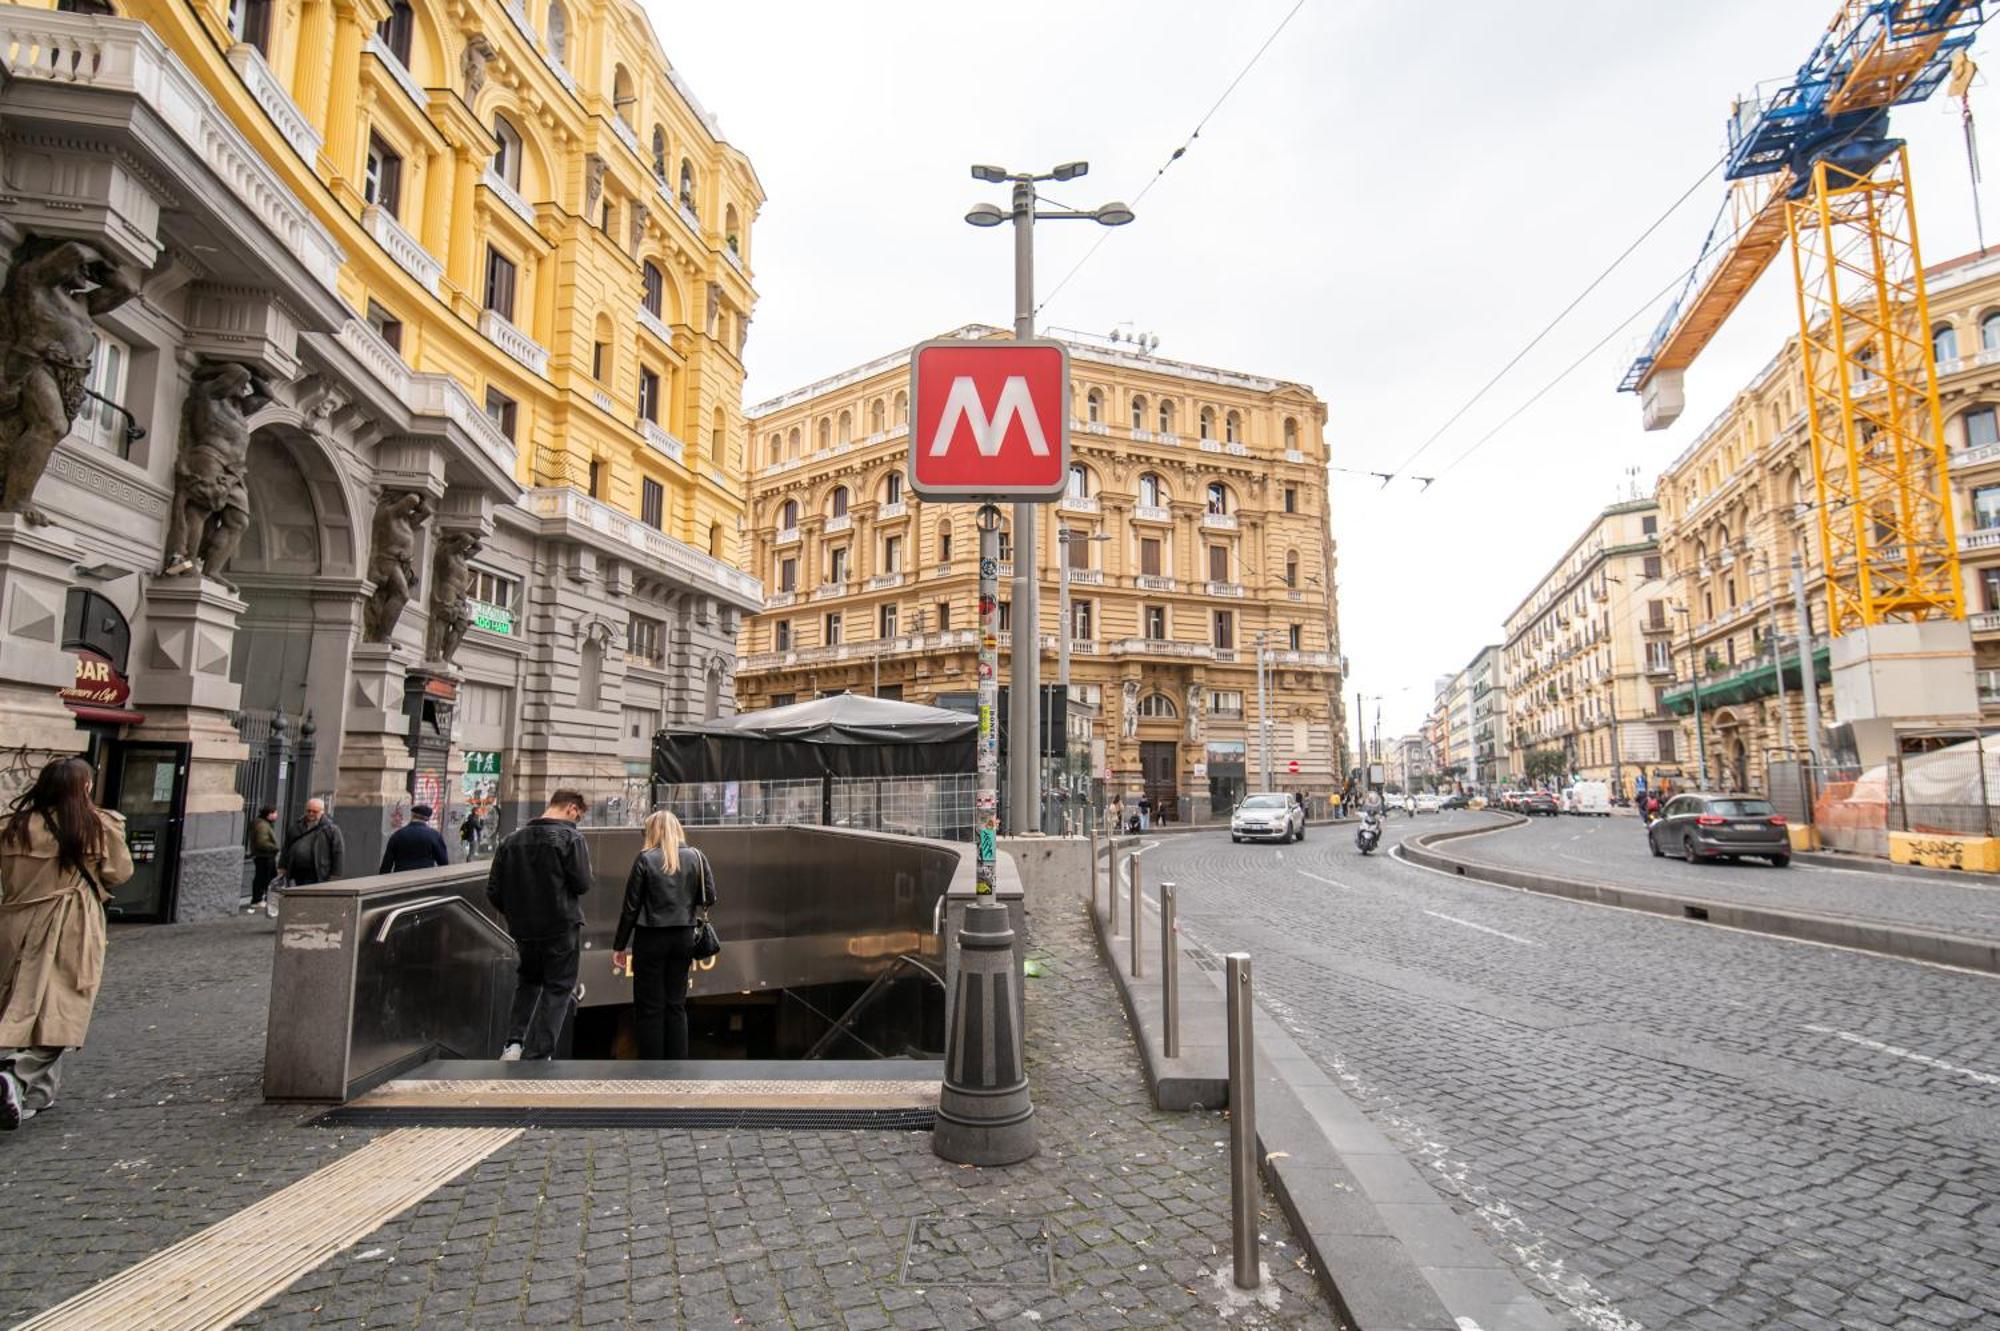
[[984, 1115]]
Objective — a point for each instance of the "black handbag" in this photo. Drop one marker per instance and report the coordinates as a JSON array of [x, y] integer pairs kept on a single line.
[[705, 943]]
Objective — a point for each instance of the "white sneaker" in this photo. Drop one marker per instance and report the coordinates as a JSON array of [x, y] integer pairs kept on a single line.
[[511, 1054]]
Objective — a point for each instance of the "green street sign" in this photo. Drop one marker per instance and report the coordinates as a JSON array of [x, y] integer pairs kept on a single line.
[[482, 762], [492, 618]]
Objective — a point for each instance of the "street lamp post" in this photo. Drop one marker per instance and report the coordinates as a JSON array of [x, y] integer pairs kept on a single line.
[[1065, 537], [1694, 678], [1024, 762], [1263, 721]]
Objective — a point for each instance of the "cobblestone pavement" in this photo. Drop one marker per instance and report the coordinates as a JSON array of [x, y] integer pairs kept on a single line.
[[1614, 850], [1122, 1220], [1659, 1124]]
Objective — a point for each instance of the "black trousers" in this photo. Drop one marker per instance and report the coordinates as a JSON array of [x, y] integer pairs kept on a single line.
[[544, 992], [660, 960], [260, 880]]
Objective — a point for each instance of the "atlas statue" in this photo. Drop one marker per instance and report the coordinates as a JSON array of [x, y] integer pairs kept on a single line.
[[211, 507], [392, 562]]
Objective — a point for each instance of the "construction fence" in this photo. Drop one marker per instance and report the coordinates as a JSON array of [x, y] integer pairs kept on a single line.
[[1944, 784]]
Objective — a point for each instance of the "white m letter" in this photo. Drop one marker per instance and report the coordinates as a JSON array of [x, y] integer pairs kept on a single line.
[[963, 403]]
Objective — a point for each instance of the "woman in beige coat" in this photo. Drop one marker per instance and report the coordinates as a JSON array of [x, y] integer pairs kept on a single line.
[[60, 856]]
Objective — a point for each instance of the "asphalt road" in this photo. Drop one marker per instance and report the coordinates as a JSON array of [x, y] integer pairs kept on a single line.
[[1660, 1124], [1614, 850]]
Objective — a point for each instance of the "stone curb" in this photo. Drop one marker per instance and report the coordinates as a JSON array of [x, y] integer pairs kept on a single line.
[[1839, 860], [1889, 940], [1390, 1253]]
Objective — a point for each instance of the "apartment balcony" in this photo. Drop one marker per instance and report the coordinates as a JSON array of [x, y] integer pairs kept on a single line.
[[1232, 589], [522, 23], [507, 194], [883, 581], [839, 524], [269, 90], [1093, 427], [788, 536], [1219, 521], [1151, 513], [1077, 504], [397, 71], [662, 440], [734, 259], [1225, 655], [899, 509], [655, 325], [828, 591], [1294, 455], [779, 600], [514, 342], [1236, 450], [1195, 651], [1086, 577], [659, 550], [1988, 622], [1208, 445], [1987, 538], [1309, 660], [1973, 457], [626, 135], [408, 252], [1153, 582]]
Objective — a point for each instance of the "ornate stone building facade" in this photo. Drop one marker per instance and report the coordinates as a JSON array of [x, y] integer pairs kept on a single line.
[[1198, 508], [1578, 653], [1738, 505], [421, 421]]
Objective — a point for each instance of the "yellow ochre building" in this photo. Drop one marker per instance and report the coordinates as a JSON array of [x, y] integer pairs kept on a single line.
[[1197, 506]]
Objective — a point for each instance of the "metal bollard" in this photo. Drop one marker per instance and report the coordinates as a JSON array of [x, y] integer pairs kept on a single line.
[[1138, 918], [1093, 871], [1113, 885], [1170, 973], [1243, 1183]]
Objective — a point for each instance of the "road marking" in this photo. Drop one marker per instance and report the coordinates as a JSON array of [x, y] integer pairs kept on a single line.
[[220, 1274], [1983, 1078], [1330, 882], [1498, 933]]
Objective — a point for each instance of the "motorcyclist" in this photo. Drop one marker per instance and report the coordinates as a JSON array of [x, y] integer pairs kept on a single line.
[[1369, 833]]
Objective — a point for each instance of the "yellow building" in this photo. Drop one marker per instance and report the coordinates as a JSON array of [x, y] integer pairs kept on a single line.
[[1198, 507], [492, 256], [1737, 507]]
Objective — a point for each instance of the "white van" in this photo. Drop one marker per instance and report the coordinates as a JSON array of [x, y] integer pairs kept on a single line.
[[1589, 798]]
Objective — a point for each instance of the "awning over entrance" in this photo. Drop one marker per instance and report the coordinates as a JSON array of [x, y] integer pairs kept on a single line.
[[1747, 682], [847, 735]]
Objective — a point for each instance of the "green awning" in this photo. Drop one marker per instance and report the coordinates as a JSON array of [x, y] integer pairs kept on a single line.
[[1747, 682]]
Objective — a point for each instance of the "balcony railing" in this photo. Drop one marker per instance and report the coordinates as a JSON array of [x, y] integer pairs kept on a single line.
[[1294, 455], [1086, 577], [625, 134], [1989, 622], [1077, 504], [269, 90], [1151, 513], [603, 401], [408, 252], [1224, 588], [787, 536], [508, 195], [1985, 539], [1154, 582], [1199, 651], [514, 342], [1972, 457], [1237, 450], [655, 325], [899, 509], [662, 439], [397, 70], [523, 22], [839, 523], [1208, 445], [828, 591], [662, 550], [882, 581], [779, 600], [1219, 521]]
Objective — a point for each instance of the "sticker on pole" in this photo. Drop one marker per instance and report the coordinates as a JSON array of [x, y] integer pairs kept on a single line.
[[989, 420]]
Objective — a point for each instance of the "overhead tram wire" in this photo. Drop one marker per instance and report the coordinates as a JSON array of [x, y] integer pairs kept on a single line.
[[1564, 313], [1177, 153]]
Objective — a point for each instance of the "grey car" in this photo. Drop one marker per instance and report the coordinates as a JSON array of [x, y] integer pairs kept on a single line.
[[1720, 826], [1268, 818]]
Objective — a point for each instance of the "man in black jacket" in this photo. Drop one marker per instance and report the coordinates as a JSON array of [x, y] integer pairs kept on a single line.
[[537, 875], [315, 851], [415, 845]]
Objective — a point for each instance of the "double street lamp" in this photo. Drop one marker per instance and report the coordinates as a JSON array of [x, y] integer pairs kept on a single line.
[[1024, 758]]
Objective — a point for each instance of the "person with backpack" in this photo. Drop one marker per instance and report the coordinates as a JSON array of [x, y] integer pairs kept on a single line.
[[60, 856]]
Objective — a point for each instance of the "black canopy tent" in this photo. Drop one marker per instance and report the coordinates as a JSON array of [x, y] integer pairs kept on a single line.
[[846, 735]]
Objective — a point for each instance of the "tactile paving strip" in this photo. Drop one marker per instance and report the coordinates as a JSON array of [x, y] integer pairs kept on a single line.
[[501, 1093]]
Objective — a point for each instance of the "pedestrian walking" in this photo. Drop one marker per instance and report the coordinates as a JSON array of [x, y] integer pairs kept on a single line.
[[316, 851], [469, 830], [670, 885], [415, 845], [1145, 813], [1117, 815], [539, 873], [60, 856], [263, 853]]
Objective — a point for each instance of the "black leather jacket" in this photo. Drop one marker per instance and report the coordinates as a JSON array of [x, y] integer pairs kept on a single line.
[[537, 875], [656, 898]]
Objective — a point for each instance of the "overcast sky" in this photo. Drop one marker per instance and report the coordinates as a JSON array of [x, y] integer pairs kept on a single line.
[[1391, 204]]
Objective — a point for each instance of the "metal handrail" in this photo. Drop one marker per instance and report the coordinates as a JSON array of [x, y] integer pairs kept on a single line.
[[425, 903]]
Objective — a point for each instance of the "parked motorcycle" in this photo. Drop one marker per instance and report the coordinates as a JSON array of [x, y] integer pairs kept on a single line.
[[1368, 835]]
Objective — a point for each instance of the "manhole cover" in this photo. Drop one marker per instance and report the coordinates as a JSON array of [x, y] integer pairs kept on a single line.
[[977, 1250]]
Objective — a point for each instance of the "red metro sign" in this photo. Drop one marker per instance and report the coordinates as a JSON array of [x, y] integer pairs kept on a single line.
[[989, 420]]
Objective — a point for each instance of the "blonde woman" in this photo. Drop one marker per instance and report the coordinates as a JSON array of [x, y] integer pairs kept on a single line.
[[670, 883]]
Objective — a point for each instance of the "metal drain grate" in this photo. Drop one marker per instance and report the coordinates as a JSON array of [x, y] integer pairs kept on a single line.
[[501, 1116], [984, 1251]]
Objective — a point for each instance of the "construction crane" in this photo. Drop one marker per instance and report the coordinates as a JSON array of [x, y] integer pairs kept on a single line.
[[1813, 163]]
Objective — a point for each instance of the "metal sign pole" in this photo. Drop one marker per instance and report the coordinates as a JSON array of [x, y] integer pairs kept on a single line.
[[987, 797], [1024, 670]]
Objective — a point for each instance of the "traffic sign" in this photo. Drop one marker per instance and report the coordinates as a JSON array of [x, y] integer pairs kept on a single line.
[[989, 420], [1293, 767]]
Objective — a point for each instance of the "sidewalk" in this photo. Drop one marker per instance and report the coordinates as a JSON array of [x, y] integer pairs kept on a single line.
[[1121, 1220]]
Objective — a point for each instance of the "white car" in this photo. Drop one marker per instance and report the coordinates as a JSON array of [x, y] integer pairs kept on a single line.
[[1428, 803], [1268, 818]]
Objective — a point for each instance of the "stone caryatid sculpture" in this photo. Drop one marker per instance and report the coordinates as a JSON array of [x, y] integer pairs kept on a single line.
[[211, 507], [451, 606], [392, 561], [54, 291], [1197, 698], [1129, 720]]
